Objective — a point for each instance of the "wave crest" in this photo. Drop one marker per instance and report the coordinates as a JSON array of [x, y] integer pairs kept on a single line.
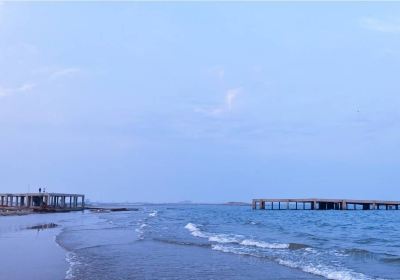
[[236, 239], [265, 245]]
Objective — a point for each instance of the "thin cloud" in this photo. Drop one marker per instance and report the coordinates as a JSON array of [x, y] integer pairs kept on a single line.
[[227, 106], [65, 72], [26, 87], [230, 97], [380, 25], [21, 89]]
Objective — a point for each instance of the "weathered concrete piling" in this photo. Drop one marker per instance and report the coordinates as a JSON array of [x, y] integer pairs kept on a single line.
[[323, 204], [43, 201]]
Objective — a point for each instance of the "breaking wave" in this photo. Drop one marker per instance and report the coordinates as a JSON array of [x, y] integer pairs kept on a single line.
[[237, 244], [153, 214], [233, 238], [72, 261]]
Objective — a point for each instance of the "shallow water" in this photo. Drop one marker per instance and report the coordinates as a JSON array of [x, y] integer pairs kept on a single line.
[[210, 242]]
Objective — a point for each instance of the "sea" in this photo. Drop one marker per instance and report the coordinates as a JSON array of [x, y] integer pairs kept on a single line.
[[175, 241]]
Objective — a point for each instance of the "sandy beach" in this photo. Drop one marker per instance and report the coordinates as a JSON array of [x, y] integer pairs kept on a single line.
[[31, 253]]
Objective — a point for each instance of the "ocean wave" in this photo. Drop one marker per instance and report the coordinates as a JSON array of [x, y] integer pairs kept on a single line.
[[235, 245], [393, 260], [195, 230], [183, 243], [72, 261], [359, 252], [332, 273], [265, 245], [153, 214], [338, 253], [371, 240], [225, 249], [238, 239], [223, 238], [140, 230]]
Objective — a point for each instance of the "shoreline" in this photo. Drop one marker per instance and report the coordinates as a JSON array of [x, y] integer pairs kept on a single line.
[[14, 211]]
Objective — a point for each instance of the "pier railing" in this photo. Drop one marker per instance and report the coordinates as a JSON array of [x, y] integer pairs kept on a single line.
[[323, 204]]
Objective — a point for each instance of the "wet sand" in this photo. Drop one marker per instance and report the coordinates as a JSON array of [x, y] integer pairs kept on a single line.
[[30, 253]]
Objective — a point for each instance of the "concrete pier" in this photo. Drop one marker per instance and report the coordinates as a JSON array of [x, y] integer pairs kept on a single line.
[[323, 204], [43, 200]]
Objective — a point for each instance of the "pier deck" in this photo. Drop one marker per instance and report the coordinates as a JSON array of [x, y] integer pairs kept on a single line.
[[43, 200], [323, 204]]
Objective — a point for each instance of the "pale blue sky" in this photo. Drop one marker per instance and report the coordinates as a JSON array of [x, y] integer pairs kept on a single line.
[[207, 102]]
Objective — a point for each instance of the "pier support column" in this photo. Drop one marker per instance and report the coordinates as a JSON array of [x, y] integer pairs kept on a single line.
[[262, 206], [366, 206]]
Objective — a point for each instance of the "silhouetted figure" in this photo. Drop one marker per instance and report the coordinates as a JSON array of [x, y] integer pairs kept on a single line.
[[40, 190]]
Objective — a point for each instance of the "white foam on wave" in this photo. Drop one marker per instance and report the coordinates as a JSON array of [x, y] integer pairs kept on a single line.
[[339, 253], [310, 250], [219, 238], [333, 273], [72, 260], [233, 238], [223, 238], [153, 214], [225, 249], [265, 245], [247, 247], [140, 230], [195, 230], [325, 271], [141, 227]]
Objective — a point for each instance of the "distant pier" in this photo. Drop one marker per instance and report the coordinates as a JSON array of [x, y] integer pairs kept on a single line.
[[43, 201], [323, 204]]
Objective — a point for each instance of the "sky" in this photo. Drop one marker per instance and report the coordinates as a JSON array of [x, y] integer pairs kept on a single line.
[[208, 102]]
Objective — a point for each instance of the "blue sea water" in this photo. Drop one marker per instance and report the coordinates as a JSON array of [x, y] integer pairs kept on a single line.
[[232, 242]]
